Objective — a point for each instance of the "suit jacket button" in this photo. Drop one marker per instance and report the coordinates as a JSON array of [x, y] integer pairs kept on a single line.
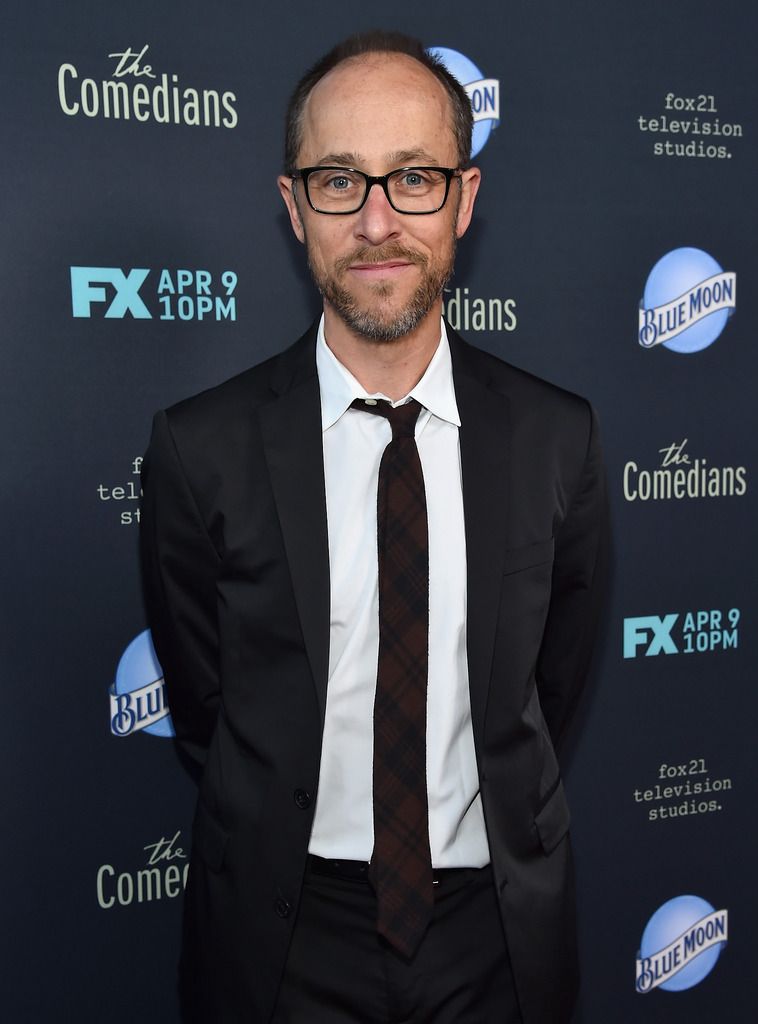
[[302, 799], [282, 907]]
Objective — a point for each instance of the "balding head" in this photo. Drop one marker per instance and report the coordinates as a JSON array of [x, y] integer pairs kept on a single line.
[[362, 46]]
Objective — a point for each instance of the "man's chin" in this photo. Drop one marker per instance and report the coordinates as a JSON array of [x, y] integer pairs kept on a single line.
[[381, 328], [380, 319]]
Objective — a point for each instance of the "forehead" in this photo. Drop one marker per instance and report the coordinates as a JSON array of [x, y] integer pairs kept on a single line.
[[375, 106]]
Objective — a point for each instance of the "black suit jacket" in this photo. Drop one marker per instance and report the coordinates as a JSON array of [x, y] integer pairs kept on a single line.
[[236, 573]]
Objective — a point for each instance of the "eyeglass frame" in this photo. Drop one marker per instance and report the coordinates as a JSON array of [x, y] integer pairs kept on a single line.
[[302, 174]]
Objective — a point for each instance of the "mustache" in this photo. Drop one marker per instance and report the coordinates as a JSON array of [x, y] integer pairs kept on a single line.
[[381, 254]]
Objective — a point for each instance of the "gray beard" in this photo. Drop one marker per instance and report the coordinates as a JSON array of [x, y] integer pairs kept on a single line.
[[371, 324]]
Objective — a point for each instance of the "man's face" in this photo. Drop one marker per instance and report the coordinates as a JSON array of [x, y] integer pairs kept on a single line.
[[381, 272]]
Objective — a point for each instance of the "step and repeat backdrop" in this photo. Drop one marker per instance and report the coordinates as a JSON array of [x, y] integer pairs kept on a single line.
[[146, 255]]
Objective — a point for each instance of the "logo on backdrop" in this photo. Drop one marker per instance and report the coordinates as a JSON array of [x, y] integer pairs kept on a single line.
[[163, 876], [138, 696], [474, 313], [687, 301], [112, 293], [680, 945], [124, 498], [135, 92], [678, 791], [695, 132], [682, 475], [484, 93], [674, 633]]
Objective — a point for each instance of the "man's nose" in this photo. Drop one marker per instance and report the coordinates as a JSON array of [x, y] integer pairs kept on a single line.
[[376, 220]]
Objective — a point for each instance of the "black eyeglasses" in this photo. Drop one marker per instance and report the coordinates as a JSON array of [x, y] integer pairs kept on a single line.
[[341, 190]]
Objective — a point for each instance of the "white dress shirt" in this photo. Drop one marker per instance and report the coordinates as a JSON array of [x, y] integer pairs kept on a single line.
[[353, 445]]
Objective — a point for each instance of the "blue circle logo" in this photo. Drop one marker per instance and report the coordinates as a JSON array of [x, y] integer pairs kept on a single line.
[[680, 944], [484, 93], [687, 301], [138, 695]]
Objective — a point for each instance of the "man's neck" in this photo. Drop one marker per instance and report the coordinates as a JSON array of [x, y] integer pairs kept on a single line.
[[391, 368]]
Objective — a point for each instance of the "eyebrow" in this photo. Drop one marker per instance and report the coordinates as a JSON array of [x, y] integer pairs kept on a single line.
[[406, 156], [399, 158]]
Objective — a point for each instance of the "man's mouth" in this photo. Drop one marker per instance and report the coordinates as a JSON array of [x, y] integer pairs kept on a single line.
[[389, 262], [387, 268]]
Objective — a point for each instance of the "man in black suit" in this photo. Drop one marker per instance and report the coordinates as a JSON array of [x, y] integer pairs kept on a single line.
[[264, 585]]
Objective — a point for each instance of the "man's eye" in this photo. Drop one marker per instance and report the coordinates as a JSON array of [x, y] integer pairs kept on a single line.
[[339, 183], [413, 178]]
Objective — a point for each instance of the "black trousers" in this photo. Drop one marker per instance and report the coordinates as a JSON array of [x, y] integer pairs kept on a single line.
[[339, 971]]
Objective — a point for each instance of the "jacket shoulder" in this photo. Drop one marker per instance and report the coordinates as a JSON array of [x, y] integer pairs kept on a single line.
[[526, 392], [235, 400]]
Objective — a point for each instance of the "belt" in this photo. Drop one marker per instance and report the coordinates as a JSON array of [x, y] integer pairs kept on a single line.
[[357, 870]]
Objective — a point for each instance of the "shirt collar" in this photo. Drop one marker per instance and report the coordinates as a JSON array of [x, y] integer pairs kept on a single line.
[[339, 388]]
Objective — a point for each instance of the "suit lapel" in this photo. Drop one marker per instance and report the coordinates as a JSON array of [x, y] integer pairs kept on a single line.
[[485, 464], [292, 439]]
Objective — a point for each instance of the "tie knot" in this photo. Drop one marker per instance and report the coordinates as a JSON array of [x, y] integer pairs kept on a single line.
[[402, 418]]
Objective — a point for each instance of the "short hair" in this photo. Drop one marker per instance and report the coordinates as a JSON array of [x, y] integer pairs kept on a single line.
[[360, 45]]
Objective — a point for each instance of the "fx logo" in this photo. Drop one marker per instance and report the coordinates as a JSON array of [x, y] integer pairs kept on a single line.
[[651, 631], [86, 288]]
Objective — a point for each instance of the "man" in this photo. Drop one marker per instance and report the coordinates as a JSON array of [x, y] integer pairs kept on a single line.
[[315, 572]]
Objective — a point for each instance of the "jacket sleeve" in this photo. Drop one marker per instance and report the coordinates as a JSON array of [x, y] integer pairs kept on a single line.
[[179, 569], [578, 593]]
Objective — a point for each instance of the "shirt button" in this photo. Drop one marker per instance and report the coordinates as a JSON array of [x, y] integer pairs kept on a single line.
[[302, 799], [282, 907]]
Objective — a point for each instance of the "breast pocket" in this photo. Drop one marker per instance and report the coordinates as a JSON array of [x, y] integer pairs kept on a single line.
[[525, 589], [528, 556]]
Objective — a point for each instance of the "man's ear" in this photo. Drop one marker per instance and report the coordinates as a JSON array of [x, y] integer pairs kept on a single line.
[[470, 181], [287, 189]]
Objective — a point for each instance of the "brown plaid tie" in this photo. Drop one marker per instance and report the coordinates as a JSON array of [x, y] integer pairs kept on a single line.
[[401, 864]]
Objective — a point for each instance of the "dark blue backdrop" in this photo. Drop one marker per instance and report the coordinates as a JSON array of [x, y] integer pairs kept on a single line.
[[626, 133]]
